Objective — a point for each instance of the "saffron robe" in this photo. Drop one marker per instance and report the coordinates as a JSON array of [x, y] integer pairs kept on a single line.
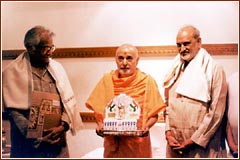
[[144, 90]]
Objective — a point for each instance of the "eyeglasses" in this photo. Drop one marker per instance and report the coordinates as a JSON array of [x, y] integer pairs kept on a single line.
[[47, 48]]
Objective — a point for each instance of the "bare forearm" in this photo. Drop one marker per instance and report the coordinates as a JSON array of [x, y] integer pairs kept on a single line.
[[151, 121]]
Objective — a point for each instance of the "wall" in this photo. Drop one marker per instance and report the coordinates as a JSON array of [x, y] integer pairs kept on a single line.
[[84, 73], [143, 23], [92, 24]]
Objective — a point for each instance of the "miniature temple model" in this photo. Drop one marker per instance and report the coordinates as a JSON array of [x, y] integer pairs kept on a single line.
[[121, 115]]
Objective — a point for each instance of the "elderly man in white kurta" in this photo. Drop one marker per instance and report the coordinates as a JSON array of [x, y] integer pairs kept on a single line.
[[195, 92]]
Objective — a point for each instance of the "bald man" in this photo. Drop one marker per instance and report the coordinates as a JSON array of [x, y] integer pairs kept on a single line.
[[128, 79], [195, 91]]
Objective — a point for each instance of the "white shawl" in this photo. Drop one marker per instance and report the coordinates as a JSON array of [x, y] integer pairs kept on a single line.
[[196, 79], [17, 88]]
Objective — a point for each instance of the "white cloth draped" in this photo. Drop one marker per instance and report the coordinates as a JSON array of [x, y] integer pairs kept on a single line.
[[17, 86], [196, 80]]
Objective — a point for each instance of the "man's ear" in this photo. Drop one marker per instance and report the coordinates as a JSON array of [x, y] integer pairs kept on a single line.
[[137, 60], [199, 40], [31, 49]]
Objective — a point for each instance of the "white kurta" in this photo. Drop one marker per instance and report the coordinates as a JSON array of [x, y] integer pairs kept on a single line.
[[198, 120]]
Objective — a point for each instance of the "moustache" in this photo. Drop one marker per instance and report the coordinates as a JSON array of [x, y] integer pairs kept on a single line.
[[47, 56], [124, 67], [185, 51]]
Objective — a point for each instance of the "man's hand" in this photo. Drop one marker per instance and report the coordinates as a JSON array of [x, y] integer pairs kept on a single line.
[[176, 146], [151, 121], [99, 129], [172, 142], [51, 136], [184, 146], [145, 131]]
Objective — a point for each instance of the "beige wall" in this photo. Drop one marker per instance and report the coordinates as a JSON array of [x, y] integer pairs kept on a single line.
[[84, 24], [84, 73], [92, 24]]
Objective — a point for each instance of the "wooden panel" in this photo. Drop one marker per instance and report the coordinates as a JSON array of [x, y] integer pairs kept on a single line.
[[89, 117], [145, 51]]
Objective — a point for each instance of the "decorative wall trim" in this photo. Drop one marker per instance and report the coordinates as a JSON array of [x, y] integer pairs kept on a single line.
[[145, 51], [86, 116], [89, 117]]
